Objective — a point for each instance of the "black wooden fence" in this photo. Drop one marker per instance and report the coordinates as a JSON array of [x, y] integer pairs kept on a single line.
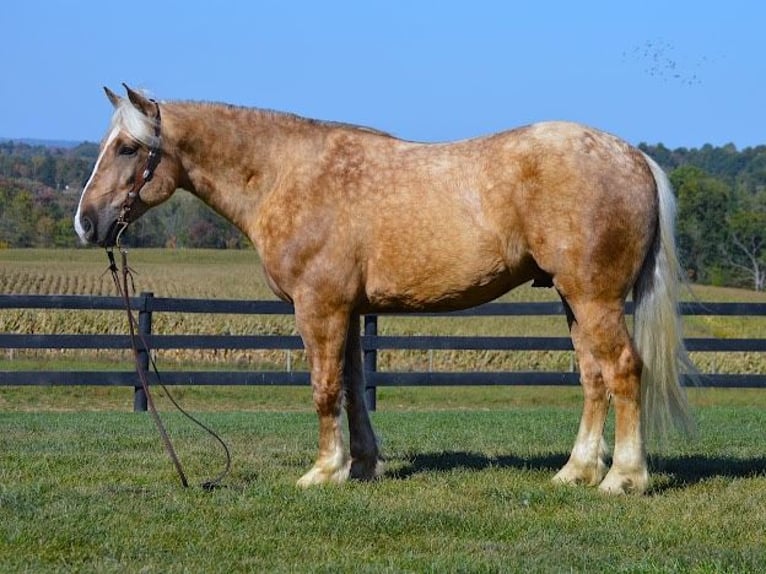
[[146, 305]]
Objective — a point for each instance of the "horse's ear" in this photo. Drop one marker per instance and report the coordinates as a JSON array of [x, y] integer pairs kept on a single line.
[[114, 98], [141, 102]]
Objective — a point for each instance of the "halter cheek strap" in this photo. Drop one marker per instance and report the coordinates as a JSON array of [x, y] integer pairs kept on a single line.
[[142, 177]]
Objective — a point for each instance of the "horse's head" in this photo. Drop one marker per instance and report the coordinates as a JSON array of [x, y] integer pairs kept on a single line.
[[130, 176]]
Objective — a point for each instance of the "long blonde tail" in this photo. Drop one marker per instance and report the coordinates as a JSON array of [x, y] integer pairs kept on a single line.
[[658, 332]]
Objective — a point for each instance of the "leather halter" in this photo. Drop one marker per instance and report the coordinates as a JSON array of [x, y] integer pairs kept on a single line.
[[143, 177]]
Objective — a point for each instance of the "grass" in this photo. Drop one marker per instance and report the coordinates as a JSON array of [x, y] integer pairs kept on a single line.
[[465, 490], [298, 399]]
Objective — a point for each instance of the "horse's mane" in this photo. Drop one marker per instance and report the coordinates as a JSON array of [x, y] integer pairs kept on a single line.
[[138, 126], [278, 116], [141, 128], [344, 125]]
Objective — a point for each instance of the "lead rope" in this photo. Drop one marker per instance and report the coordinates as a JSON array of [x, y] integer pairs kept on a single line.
[[123, 280]]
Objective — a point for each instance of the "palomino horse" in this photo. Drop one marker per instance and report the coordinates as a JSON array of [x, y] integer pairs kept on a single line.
[[349, 220]]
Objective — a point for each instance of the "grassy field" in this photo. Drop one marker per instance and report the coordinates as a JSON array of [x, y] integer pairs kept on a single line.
[[465, 490], [86, 487]]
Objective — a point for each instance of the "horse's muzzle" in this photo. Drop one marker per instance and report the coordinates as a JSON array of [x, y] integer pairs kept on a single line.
[[88, 231]]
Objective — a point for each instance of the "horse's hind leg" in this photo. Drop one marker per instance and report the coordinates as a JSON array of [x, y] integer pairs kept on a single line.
[[364, 446], [602, 326], [586, 464], [324, 330]]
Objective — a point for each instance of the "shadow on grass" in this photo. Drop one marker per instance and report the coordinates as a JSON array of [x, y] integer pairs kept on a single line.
[[453, 460], [677, 472], [683, 471]]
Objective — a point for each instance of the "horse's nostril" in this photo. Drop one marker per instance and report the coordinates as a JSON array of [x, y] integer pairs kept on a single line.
[[85, 228]]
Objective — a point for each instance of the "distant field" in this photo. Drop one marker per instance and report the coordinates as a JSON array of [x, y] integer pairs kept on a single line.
[[229, 274]]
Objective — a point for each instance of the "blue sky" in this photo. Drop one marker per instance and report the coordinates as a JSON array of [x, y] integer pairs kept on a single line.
[[680, 73]]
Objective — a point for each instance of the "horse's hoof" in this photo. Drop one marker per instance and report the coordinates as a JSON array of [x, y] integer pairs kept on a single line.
[[366, 469], [573, 473], [320, 474], [619, 482]]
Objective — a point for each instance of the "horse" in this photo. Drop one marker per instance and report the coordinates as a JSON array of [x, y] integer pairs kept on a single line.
[[349, 220]]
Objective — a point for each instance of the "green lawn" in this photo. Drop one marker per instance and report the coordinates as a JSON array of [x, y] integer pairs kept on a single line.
[[465, 490]]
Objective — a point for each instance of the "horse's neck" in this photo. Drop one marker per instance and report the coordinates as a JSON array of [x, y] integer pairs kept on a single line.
[[232, 156]]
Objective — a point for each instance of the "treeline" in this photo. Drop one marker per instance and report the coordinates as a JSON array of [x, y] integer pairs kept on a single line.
[[721, 208], [721, 212]]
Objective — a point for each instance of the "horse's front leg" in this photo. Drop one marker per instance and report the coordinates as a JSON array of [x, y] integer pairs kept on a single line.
[[365, 464], [324, 330]]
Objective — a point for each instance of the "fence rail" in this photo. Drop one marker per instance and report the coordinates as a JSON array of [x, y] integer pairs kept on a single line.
[[146, 305]]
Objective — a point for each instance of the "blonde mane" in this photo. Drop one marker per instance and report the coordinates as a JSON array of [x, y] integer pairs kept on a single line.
[[138, 126]]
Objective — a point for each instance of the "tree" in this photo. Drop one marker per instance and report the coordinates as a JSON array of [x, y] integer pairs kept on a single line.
[[17, 219], [703, 205], [746, 250]]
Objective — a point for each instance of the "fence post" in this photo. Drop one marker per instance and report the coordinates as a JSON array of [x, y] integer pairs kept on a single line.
[[144, 328], [370, 362]]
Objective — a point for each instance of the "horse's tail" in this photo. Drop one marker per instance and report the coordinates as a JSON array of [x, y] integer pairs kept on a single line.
[[657, 325]]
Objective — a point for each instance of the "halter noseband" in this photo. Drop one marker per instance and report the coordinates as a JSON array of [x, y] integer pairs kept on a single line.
[[143, 177]]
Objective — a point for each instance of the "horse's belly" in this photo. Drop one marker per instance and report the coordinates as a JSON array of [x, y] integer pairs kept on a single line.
[[425, 288]]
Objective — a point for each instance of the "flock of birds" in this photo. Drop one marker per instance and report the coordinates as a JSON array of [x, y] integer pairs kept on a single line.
[[659, 60]]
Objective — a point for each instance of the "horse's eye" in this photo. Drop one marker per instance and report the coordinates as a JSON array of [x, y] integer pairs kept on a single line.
[[127, 150]]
